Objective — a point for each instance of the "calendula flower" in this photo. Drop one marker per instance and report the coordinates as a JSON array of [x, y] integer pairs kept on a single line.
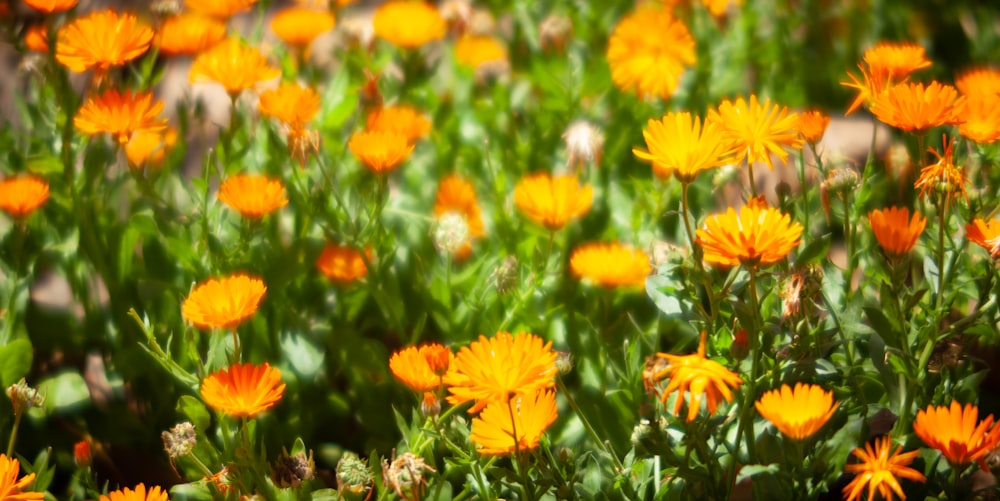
[[341, 264], [918, 107], [943, 176], [984, 233], [476, 50], [147, 149], [234, 65], [222, 9], [380, 151], [140, 493], [292, 104], [880, 470], [253, 196], [812, 124], [22, 195], [408, 24], [243, 390], [979, 82], [223, 303], [13, 488], [514, 426], [36, 38], [421, 369], [718, 7], [757, 130], [895, 231], [758, 235], [610, 264], [645, 64], [457, 196], [798, 412], [552, 201], [495, 369], [885, 64], [101, 40], [120, 114], [189, 33], [299, 26], [51, 6], [982, 119], [696, 376], [953, 431], [401, 119], [679, 144]]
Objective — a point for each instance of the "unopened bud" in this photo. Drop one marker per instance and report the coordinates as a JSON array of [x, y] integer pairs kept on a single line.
[[180, 440], [842, 180], [289, 471], [24, 397], [354, 479], [430, 406], [438, 358], [505, 276], [564, 362], [741, 345], [81, 454]]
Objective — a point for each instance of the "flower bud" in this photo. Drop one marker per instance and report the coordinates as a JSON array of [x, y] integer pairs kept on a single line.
[[505, 276], [24, 397], [289, 471], [81, 454], [841, 180], [438, 358], [180, 440], [741, 345], [354, 479], [430, 406], [564, 362]]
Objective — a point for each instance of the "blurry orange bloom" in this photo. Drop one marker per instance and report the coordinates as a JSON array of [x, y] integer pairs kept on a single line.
[[81, 454], [120, 114], [401, 119], [223, 9], [953, 431], [885, 65], [812, 124], [610, 264], [895, 231], [12, 487], [476, 50], [147, 149], [697, 376], [552, 201], [50, 6], [299, 26], [680, 145], [880, 471], [943, 175], [408, 24], [982, 119], [798, 412], [101, 40], [979, 82], [718, 7], [457, 196], [223, 303], [140, 493], [292, 104], [759, 235], [421, 369], [189, 33], [36, 38], [984, 233], [234, 65], [645, 64], [495, 369], [243, 390], [757, 129], [505, 427], [916, 107], [22, 195], [343, 265], [380, 151], [253, 196]]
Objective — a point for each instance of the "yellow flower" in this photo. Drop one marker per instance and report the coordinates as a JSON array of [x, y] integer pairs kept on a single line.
[[299, 26], [476, 50], [943, 175], [495, 369], [953, 431], [798, 412], [380, 151], [120, 114], [610, 264], [421, 369], [292, 104], [51, 6], [697, 376], [680, 145], [880, 470], [457, 196], [149, 148], [648, 51], [101, 40], [759, 235], [982, 119], [979, 83], [343, 265], [11, 487], [189, 33], [140, 493], [224, 303], [552, 201], [984, 233], [408, 24], [22, 195], [223, 9], [234, 65], [515, 425], [916, 107], [895, 231], [401, 119], [757, 129], [253, 196], [812, 124], [243, 390]]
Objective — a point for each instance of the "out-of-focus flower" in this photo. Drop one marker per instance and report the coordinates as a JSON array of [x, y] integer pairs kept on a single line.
[[341, 264], [982, 119], [253, 196], [405, 474], [294, 106], [180, 440], [880, 470], [979, 83], [222, 9], [451, 235], [408, 24], [147, 149], [23, 397], [942, 176], [101, 40], [758, 235], [51, 6], [290, 470], [584, 143], [610, 264], [477, 50], [189, 33], [505, 275], [82, 455], [953, 431], [917, 107], [697, 376], [494, 369], [552, 201], [223, 303], [120, 114], [456, 13], [299, 26], [718, 8], [515, 425], [353, 476], [885, 64], [22, 195], [679, 144], [798, 412], [400, 119], [380, 151], [554, 32], [36, 38], [421, 368], [140, 493], [895, 231], [457, 196], [243, 390], [985, 234], [234, 65], [650, 65], [812, 125], [757, 129]]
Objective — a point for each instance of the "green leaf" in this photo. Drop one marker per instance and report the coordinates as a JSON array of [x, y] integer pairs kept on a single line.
[[662, 291], [814, 252], [190, 492], [194, 410], [753, 470], [64, 392], [15, 361]]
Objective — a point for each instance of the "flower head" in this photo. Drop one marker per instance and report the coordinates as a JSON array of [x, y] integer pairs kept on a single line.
[[552, 201], [680, 145], [222, 9], [798, 412], [299, 26], [610, 264], [243, 390], [476, 50], [102, 39], [880, 470], [341, 264], [943, 176], [11, 487], [408, 24], [380, 151], [149, 148], [140, 493], [757, 129], [400, 119], [979, 82], [953, 431], [696, 376], [22, 195], [885, 64], [895, 231], [759, 235], [189, 33], [51, 6], [918, 107], [515, 425], [812, 124], [650, 65], [253, 196], [223, 303], [982, 119], [120, 114], [986, 234], [494, 369], [457, 196], [36, 38], [291, 104], [421, 368], [234, 65]]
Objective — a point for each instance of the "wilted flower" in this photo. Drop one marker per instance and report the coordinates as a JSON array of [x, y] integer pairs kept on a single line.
[[408, 24], [243, 390], [180, 440], [645, 64], [23, 397], [943, 176], [554, 32], [505, 275], [798, 412], [405, 474], [584, 143], [459, 221], [290, 470], [515, 425], [430, 406]]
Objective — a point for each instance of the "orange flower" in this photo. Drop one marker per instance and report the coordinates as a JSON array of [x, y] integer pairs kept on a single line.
[[149, 148], [421, 369], [401, 119], [223, 9], [476, 50], [82, 455], [880, 471], [697, 376], [20, 196], [886, 64], [101, 40], [916, 107], [552, 201], [408, 24], [982, 119], [120, 114], [189, 33], [812, 124], [224, 303], [243, 390], [495, 369], [650, 65], [757, 129], [759, 235], [234, 65], [515, 425], [343, 265], [610, 264], [979, 82], [36, 38], [954, 432], [292, 104], [798, 412], [895, 231], [718, 7], [380, 151], [943, 175], [51, 6], [299, 26], [253, 196], [679, 145], [984, 233], [140, 493], [457, 196], [11, 487]]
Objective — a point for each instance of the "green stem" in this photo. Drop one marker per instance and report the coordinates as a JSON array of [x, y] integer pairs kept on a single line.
[[753, 185], [849, 238], [18, 412], [942, 218], [805, 196]]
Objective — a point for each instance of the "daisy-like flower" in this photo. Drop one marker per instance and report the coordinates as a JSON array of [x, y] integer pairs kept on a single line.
[[147, 149], [476, 50], [718, 7], [942, 175], [879, 468], [101, 40], [759, 235], [798, 412], [552, 201], [223, 303], [895, 230], [953, 431], [985, 234], [22, 195], [514, 426], [421, 369], [120, 114], [918, 107], [982, 119], [36, 38], [13, 488], [401, 119], [253, 196], [979, 82], [408, 24], [610, 264], [457, 196], [51, 6], [650, 65], [222, 9], [341, 264], [757, 129], [812, 125], [696, 376], [234, 65], [679, 144], [243, 390], [291, 104], [299, 26], [380, 151], [495, 369], [885, 64], [140, 493], [189, 33]]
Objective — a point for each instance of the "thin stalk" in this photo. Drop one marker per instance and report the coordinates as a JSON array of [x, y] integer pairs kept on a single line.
[[753, 185], [685, 208], [18, 412], [849, 237], [942, 218], [805, 196]]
